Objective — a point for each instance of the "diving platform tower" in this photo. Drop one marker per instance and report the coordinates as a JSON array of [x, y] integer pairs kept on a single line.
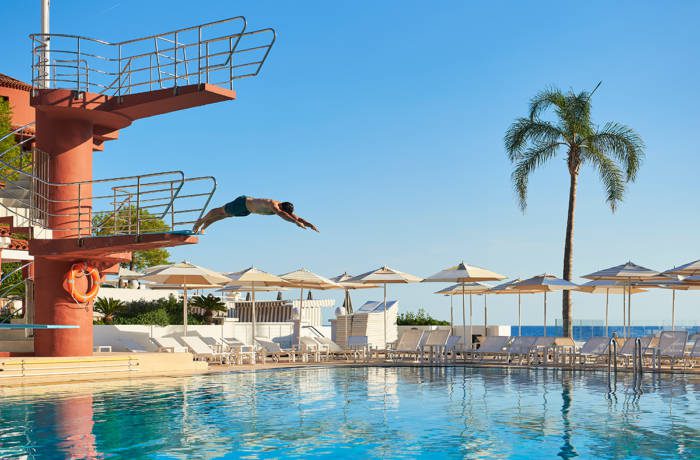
[[84, 91]]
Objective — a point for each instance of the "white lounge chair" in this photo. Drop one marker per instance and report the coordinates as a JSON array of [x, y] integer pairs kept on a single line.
[[494, 347], [451, 347], [359, 347], [239, 350], [202, 351], [435, 343], [594, 351], [332, 348], [408, 345], [274, 351], [626, 353], [671, 347], [131, 346], [168, 344], [520, 349], [312, 347]]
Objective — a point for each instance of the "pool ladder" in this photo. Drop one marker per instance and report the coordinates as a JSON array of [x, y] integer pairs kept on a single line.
[[637, 367]]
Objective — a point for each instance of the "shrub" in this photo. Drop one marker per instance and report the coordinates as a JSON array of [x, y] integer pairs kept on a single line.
[[422, 318]]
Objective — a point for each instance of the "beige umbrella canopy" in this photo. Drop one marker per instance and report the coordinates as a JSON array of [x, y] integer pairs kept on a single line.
[[507, 288], [305, 279], [674, 283], [464, 273], [385, 275], [126, 274], [185, 275], [446, 292], [544, 283], [607, 287], [628, 273], [256, 279], [689, 269]]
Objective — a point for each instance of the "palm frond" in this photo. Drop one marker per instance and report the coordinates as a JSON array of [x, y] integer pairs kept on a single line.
[[524, 131], [530, 160], [610, 174], [621, 142], [545, 99]]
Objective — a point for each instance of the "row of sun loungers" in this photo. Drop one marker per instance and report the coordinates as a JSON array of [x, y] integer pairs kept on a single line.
[[670, 348]]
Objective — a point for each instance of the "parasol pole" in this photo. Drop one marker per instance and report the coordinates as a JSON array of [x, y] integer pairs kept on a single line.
[[464, 320], [385, 341], [607, 299], [545, 313], [520, 327], [184, 307]]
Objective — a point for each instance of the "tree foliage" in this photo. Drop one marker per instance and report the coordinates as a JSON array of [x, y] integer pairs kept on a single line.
[[421, 318], [209, 304], [615, 151], [124, 221], [13, 155], [160, 312], [109, 308]]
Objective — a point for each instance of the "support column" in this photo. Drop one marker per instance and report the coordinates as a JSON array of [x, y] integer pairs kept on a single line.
[[68, 142]]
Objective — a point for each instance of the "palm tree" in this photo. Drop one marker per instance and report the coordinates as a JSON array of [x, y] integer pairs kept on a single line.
[[614, 150], [209, 304], [109, 308]]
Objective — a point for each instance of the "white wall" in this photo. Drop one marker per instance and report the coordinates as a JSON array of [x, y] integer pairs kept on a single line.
[[130, 295], [123, 337]]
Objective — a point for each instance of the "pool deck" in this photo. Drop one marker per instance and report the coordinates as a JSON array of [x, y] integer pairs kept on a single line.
[[102, 367]]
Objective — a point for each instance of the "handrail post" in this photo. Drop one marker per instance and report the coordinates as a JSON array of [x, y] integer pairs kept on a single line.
[[172, 208], [119, 71], [199, 55], [175, 71], [138, 205], [638, 354], [77, 67], [114, 213], [80, 218]]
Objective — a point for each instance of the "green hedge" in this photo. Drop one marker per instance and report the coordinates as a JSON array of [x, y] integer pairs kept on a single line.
[[161, 312], [419, 319]]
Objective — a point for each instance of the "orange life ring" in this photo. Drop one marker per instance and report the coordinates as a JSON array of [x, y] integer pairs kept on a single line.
[[78, 270]]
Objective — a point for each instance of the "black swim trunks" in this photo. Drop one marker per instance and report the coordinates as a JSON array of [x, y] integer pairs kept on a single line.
[[237, 207]]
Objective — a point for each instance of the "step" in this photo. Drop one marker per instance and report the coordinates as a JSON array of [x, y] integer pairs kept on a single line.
[[22, 345], [15, 194]]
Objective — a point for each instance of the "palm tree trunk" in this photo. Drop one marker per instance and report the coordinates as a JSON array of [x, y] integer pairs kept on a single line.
[[569, 255]]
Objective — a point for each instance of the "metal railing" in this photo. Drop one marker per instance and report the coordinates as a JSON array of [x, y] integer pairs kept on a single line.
[[10, 292], [217, 52], [130, 205]]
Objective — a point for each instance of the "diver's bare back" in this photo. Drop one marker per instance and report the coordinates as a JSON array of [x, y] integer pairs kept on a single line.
[[245, 205]]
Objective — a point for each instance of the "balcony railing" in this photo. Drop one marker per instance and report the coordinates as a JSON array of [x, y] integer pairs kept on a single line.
[[217, 52], [131, 205]]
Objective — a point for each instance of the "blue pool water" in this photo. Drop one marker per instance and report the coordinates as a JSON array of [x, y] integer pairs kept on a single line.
[[375, 412]]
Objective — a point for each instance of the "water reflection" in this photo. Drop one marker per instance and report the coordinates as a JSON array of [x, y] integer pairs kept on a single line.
[[363, 412]]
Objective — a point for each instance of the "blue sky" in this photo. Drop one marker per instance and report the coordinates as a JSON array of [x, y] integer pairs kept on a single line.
[[383, 122]]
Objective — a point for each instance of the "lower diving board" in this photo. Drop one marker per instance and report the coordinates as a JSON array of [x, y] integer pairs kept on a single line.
[[38, 326]]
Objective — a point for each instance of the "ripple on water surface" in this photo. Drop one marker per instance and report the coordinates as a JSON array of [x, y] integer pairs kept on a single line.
[[358, 412]]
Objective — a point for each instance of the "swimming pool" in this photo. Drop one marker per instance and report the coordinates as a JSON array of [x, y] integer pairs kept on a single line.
[[447, 412]]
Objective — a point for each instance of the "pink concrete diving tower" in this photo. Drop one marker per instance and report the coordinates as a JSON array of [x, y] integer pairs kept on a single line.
[[86, 90]]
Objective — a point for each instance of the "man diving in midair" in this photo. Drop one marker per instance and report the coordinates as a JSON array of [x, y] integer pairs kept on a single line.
[[245, 205]]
